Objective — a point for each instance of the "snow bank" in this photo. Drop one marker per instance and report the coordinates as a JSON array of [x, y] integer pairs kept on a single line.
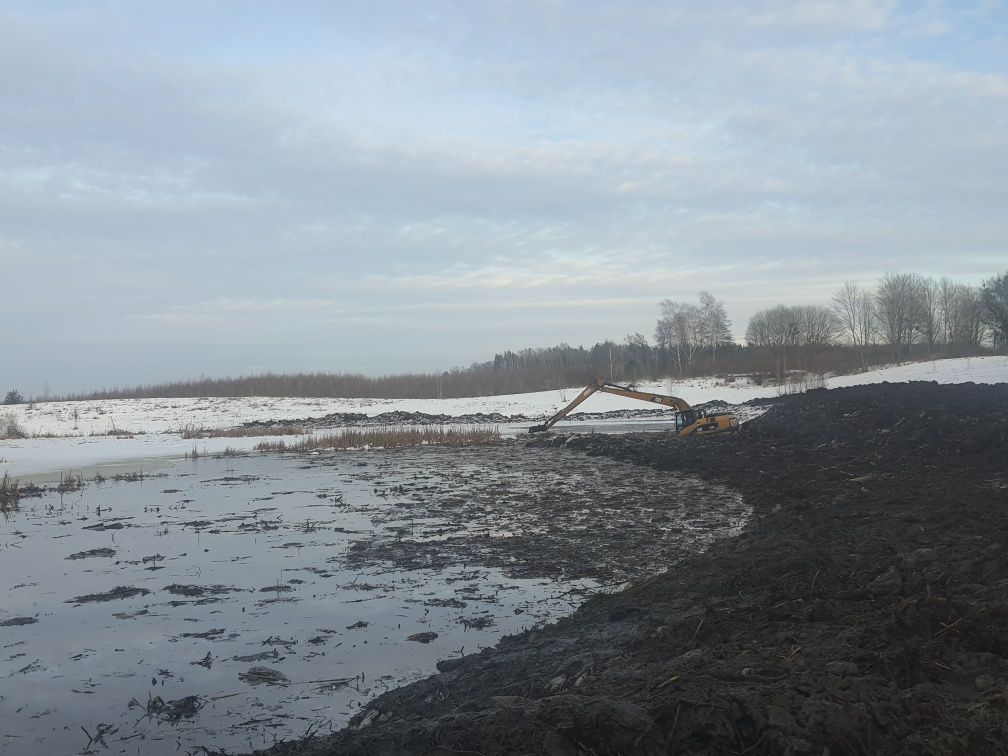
[[158, 418]]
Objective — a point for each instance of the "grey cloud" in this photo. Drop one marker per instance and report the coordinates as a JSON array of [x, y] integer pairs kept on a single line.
[[256, 187]]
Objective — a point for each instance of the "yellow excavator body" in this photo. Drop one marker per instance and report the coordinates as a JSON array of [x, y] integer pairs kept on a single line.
[[689, 422], [711, 424]]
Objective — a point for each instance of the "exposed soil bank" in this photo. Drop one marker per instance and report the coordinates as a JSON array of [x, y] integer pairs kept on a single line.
[[400, 417], [864, 610]]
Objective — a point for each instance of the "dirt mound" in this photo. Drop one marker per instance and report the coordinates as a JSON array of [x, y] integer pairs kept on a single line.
[[397, 417], [863, 610]]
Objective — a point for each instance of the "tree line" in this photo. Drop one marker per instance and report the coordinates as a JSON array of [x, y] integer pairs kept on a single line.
[[905, 311], [905, 316], [908, 309]]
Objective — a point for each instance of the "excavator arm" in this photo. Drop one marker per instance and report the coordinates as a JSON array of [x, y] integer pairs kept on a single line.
[[612, 388]]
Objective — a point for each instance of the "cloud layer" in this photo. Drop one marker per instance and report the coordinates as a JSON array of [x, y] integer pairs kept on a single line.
[[205, 187]]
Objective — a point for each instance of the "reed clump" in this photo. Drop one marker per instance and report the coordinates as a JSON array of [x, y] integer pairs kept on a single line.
[[10, 493], [69, 482], [388, 437], [10, 428], [241, 431]]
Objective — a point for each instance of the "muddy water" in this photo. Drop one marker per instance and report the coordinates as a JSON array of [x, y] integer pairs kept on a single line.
[[237, 601]]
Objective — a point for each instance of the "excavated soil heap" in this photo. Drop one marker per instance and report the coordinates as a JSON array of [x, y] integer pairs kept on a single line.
[[863, 610]]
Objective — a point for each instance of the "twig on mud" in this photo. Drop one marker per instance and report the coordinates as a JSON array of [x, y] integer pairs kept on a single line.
[[584, 748], [315, 725], [333, 681], [587, 590], [99, 737], [638, 586], [814, 578], [455, 750], [946, 628], [697, 631], [225, 695], [837, 468], [674, 678]]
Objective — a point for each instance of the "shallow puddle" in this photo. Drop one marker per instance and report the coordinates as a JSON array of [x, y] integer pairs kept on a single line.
[[234, 602]]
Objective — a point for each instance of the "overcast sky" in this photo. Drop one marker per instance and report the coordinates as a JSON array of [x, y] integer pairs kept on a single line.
[[220, 187]]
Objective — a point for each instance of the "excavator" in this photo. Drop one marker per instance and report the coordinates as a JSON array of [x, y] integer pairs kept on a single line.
[[688, 421]]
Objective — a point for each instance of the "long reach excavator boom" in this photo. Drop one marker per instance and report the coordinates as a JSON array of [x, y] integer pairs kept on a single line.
[[688, 420]]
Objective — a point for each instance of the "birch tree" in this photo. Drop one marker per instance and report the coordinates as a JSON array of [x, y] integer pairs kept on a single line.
[[680, 331], [714, 323]]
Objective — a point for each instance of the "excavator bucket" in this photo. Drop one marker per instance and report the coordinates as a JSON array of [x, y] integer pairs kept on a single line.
[[537, 429]]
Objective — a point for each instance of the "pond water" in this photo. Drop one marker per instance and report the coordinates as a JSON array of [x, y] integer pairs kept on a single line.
[[231, 602]]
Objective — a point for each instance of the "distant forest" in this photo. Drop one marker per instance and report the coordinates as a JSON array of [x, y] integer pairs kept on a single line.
[[905, 317]]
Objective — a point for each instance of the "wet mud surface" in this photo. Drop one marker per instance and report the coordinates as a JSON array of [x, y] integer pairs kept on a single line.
[[864, 608], [231, 603], [558, 515]]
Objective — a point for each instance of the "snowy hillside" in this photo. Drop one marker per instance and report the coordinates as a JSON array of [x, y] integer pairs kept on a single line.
[[166, 415]]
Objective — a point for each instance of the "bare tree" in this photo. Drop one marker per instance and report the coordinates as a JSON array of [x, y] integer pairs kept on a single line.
[[961, 313], [855, 310], [947, 293], [995, 305], [818, 325], [776, 328], [787, 326], [715, 326], [898, 301], [664, 336], [929, 312], [637, 349], [973, 324], [757, 332], [680, 330]]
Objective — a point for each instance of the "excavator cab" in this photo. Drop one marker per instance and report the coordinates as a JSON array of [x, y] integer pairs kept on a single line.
[[686, 419]]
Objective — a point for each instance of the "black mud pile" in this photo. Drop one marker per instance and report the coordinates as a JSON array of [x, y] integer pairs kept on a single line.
[[864, 610], [399, 417]]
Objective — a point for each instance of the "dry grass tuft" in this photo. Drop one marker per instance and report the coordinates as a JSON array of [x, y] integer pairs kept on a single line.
[[136, 477], [10, 493], [387, 437], [241, 431], [10, 427], [70, 482]]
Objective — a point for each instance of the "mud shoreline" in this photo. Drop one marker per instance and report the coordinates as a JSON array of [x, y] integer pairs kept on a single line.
[[863, 610]]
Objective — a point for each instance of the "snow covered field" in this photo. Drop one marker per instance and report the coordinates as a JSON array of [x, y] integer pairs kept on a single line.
[[86, 423]]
